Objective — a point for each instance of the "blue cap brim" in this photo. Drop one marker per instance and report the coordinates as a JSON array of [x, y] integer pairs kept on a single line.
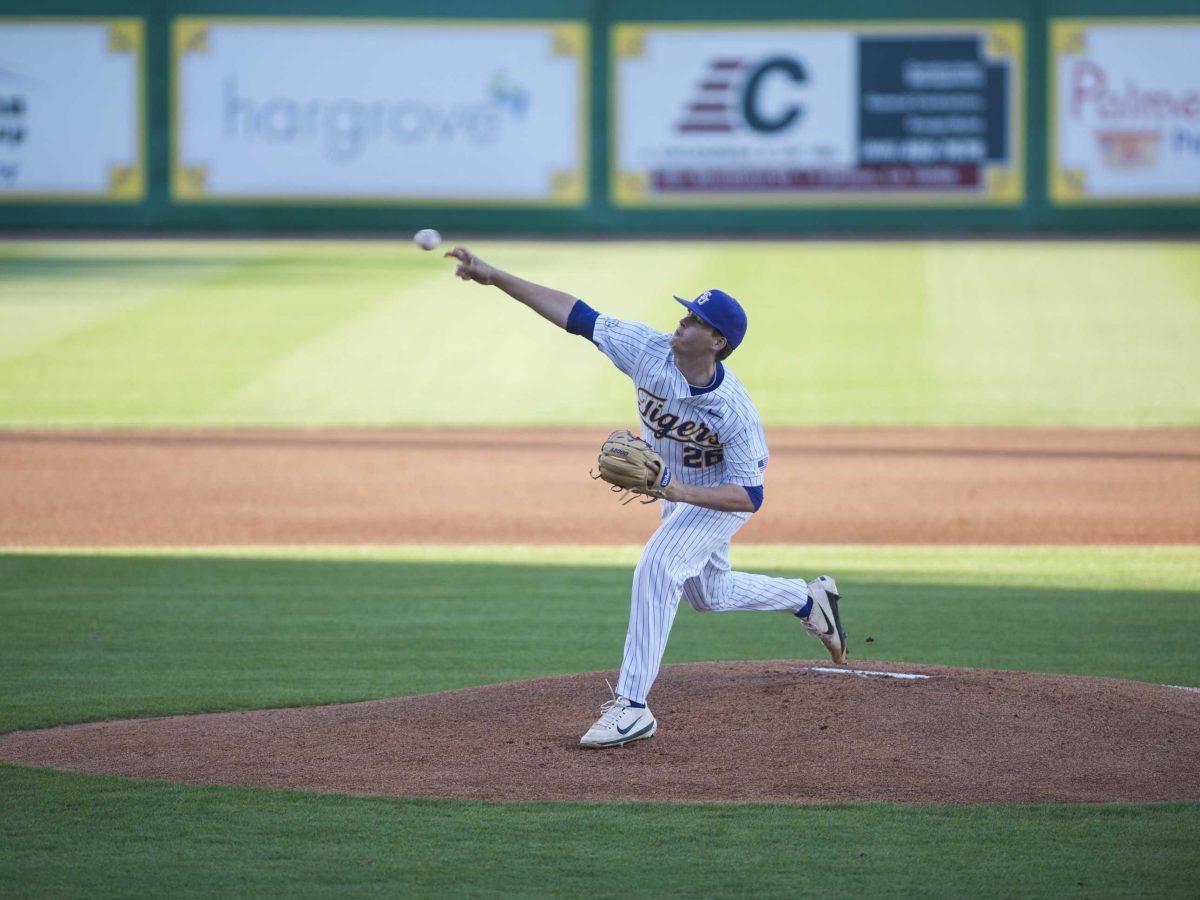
[[691, 304]]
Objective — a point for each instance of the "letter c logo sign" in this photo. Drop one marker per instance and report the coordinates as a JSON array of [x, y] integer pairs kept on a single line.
[[750, 112]]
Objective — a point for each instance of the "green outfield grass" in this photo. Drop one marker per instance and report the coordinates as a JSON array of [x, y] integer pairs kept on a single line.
[[69, 835], [377, 333], [93, 635]]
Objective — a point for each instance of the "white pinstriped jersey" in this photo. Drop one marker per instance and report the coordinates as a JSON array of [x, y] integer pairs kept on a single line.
[[711, 438], [708, 436]]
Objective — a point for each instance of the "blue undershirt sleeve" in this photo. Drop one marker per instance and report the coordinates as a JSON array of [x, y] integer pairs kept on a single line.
[[756, 495], [582, 320]]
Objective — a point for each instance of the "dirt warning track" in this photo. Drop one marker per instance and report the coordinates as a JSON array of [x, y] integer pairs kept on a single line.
[[881, 486]]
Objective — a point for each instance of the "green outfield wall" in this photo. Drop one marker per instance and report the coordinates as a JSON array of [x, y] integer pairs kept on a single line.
[[869, 117]]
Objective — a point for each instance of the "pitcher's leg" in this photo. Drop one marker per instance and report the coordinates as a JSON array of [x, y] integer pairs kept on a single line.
[[677, 551], [693, 593], [650, 623], [815, 603], [725, 590]]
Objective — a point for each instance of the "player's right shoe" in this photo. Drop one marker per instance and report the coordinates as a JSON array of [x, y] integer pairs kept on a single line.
[[620, 723], [823, 620]]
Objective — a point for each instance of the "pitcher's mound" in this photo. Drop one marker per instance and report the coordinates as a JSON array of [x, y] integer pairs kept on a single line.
[[732, 731]]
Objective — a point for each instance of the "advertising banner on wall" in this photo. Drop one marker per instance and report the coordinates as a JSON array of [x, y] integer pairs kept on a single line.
[[818, 114], [71, 110], [1124, 111], [370, 111]]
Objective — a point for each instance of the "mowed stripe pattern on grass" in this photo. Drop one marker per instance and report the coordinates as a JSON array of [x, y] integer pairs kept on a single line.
[[373, 333]]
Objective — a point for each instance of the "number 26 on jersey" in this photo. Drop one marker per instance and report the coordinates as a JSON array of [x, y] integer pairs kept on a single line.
[[701, 457]]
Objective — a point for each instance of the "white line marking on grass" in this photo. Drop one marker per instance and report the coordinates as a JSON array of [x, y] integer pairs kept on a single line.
[[1184, 687], [869, 672]]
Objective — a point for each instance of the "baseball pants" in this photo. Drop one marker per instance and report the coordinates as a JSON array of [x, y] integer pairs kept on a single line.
[[688, 557]]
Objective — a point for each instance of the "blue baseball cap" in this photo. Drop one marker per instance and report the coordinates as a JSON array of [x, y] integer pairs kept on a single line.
[[722, 312]]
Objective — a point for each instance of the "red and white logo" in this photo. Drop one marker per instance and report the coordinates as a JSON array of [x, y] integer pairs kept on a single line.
[[1129, 149], [730, 96]]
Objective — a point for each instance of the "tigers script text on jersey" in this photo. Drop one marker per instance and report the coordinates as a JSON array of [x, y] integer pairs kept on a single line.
[[708, 435]]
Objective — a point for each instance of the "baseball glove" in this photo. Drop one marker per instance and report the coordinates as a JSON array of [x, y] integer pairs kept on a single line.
[[629, 463]]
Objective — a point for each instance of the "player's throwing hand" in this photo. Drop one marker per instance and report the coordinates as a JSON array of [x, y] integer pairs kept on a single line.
[[471, 267]]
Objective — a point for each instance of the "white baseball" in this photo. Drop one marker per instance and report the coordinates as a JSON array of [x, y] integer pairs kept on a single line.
[[427, 238]]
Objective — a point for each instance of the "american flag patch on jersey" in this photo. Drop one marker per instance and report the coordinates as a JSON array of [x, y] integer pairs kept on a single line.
[[762, 463]]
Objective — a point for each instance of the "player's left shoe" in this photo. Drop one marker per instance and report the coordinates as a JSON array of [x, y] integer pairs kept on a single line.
[[620, 723], [823, 620]]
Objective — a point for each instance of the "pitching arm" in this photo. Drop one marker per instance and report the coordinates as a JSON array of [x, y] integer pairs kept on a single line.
[[547, 302]]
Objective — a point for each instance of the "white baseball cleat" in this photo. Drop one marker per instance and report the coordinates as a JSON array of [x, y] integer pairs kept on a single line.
[[620, 723], [823, 619]]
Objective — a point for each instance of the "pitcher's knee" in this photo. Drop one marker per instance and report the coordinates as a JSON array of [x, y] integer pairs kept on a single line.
[[717, 592]]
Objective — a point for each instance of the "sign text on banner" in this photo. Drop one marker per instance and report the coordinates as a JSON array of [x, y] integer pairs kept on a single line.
[[1125, 111], [371, 111], [71, 110], [818, 114]]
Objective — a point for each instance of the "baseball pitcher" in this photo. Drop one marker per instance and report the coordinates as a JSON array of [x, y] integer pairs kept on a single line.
[[706, 459]]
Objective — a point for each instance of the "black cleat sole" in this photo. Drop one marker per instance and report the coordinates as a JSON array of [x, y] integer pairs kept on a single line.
[[837, 623]]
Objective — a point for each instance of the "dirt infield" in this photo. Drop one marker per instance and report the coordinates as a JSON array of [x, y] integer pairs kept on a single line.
[[733, 731], [910, 486]]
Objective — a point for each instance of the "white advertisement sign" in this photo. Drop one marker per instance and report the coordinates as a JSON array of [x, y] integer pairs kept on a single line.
[[379, 111], [71, 110], [1125, 109], [817, 113], [680, 100]]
